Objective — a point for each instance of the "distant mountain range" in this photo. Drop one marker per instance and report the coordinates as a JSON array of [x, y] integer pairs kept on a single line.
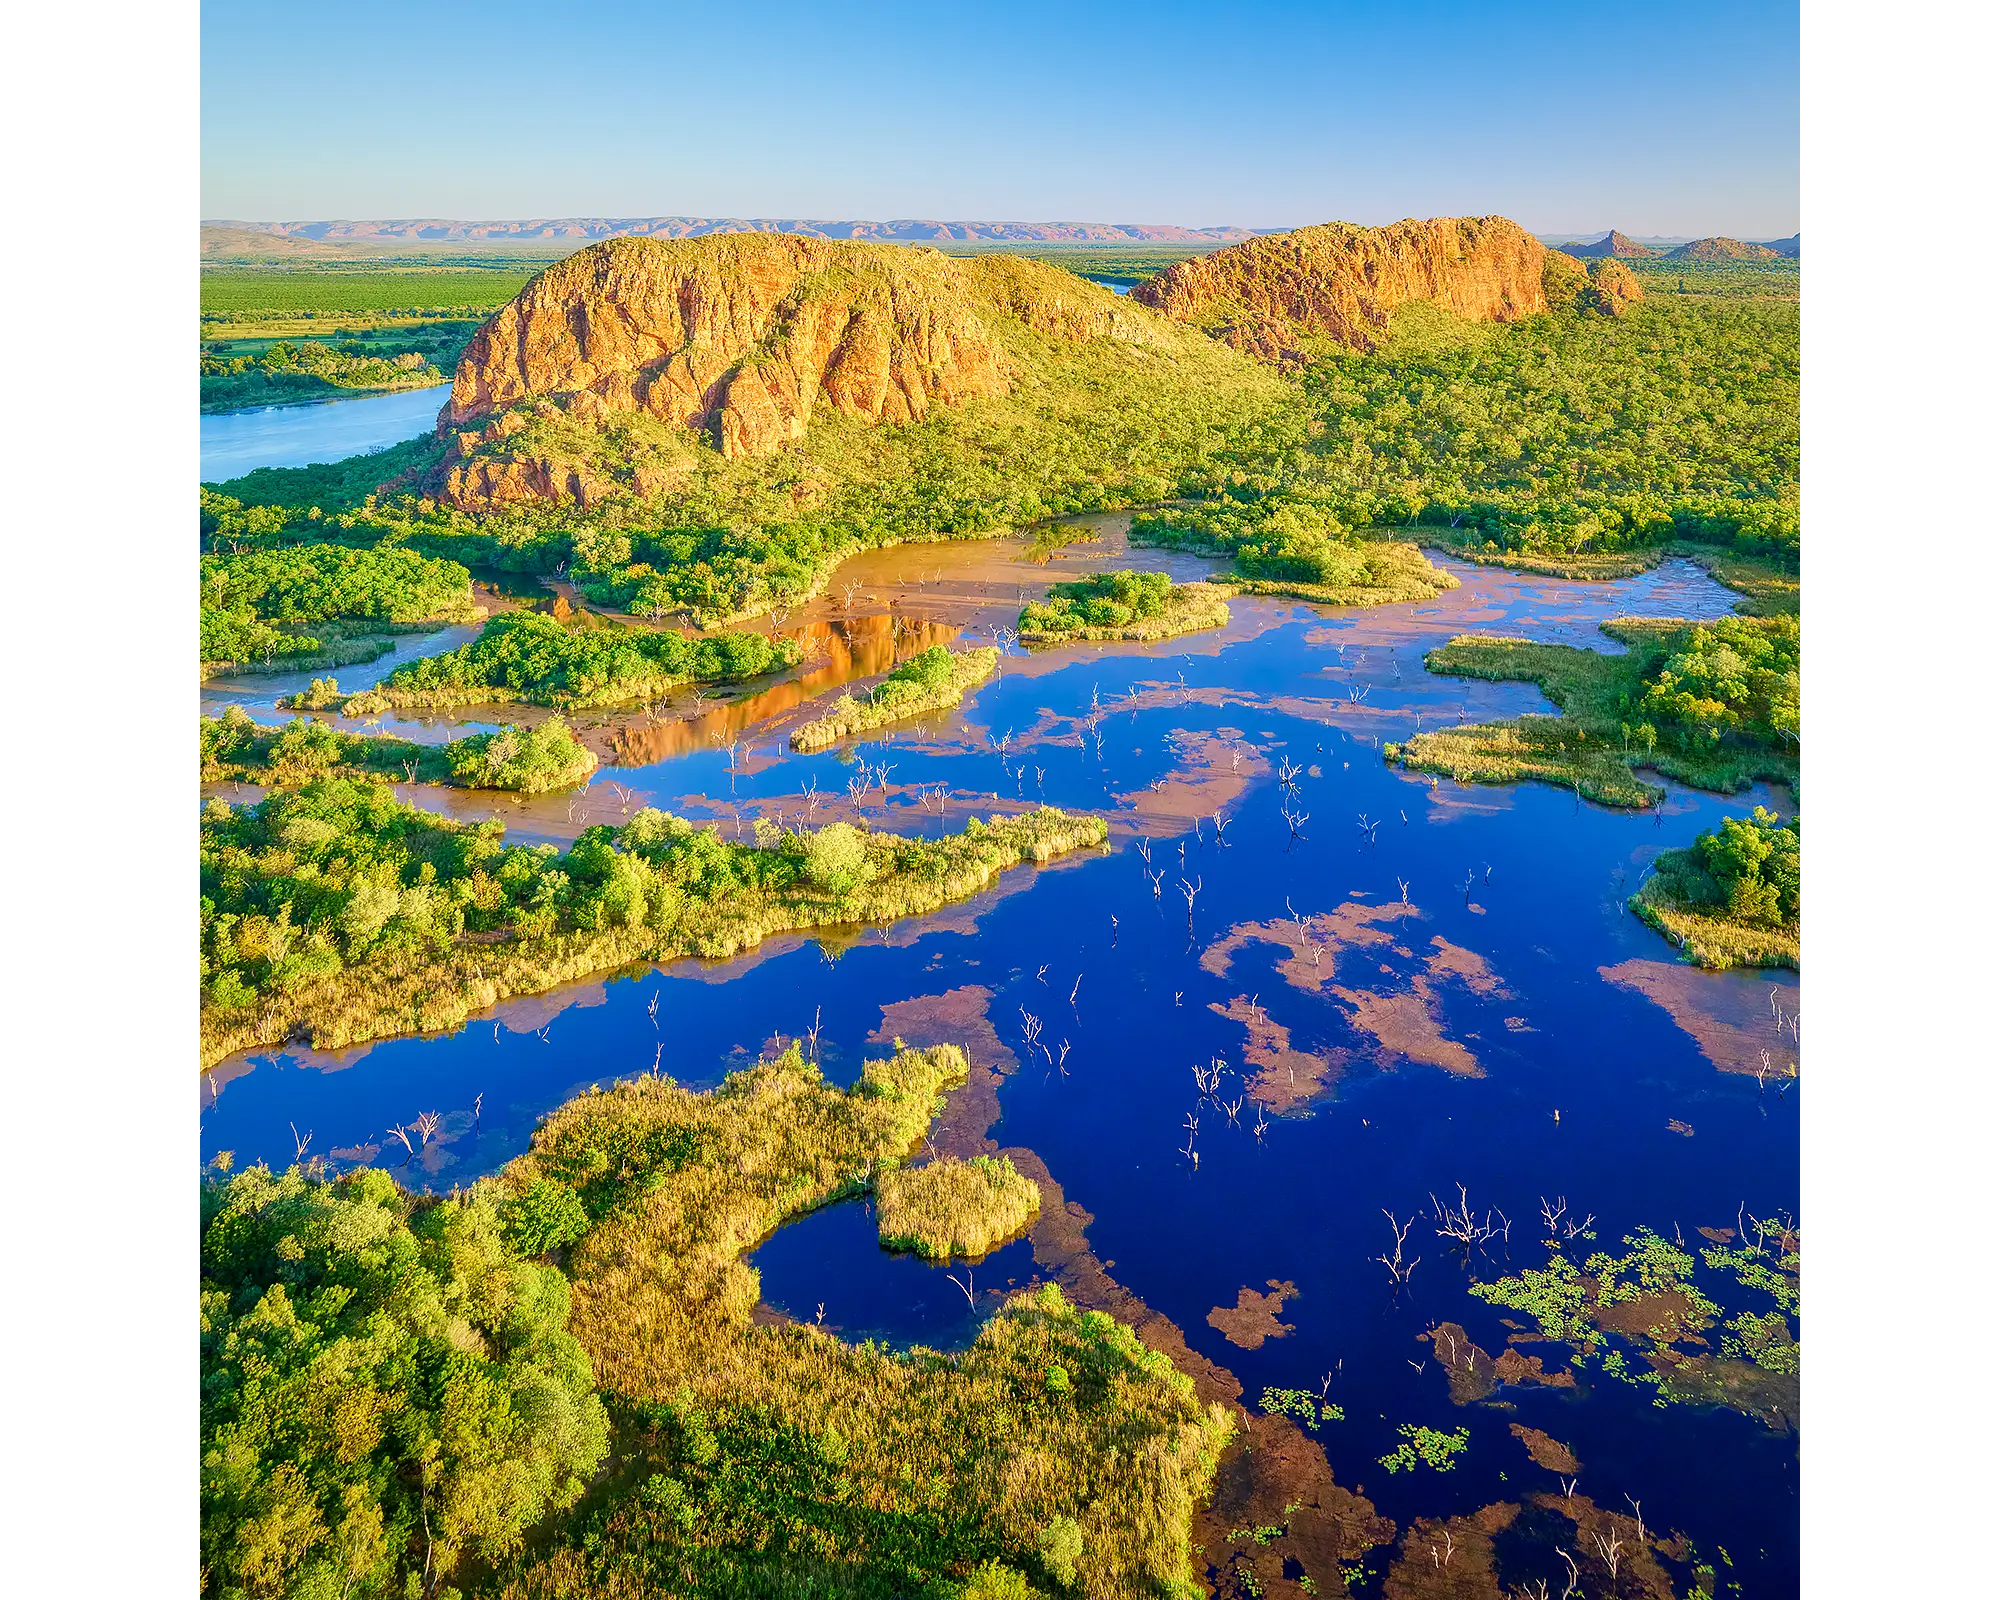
[[1717, 248], [583, 230]]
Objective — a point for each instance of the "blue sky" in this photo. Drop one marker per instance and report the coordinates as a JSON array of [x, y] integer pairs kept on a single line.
[[1680, 120]]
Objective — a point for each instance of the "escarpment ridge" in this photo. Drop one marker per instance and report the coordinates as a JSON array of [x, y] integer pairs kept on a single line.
[[1340, 282]]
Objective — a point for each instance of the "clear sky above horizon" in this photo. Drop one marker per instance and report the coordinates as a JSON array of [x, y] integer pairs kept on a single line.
[[1265, 113]]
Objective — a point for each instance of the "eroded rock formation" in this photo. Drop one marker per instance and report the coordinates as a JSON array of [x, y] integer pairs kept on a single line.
[[741, 337], [1269, 296]]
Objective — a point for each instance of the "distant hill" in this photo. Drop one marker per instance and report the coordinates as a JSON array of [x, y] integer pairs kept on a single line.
[[1722, 249], [1784, 247], [585, 230], [1613, 243]]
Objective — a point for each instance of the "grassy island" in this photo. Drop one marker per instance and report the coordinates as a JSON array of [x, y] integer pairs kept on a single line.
[[335, 913], [1298, 549], [740, 1457], [322, 605], [1715, 705], [1124, 605], [530, 656], [932, 681], [234, 748], [1732, 898], [954, 1208]]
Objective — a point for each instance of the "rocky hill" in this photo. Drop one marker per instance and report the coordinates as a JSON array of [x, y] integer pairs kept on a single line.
[[1273, 296], [583, 230], [1613, 243], [740, 339], [1722, 249], [1606, 285]]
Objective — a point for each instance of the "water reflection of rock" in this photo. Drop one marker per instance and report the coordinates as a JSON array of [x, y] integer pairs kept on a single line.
[[838, 651]]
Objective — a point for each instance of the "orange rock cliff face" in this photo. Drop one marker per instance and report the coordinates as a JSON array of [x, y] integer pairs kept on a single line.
[[741, 337], [1340, 282]]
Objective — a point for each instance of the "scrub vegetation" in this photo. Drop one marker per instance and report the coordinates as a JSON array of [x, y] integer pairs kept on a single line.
[[389, 1386], [335, 913], [588, 661], [761, 1459], [1732, 898], [312, 605], [933, 681], [1715, 705], [1124, 605], [531, 760], [952, 1208], [395, 1390], [1297, 548]]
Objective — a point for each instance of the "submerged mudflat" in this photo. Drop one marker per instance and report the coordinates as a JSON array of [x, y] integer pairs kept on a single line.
[[1251, 1052]]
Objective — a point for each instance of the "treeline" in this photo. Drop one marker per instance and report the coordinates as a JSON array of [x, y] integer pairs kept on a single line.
[[338, 910], [307, 369], [1558, 434], [268, 605]]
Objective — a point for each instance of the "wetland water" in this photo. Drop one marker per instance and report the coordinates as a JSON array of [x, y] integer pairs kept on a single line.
[[1414, 987], [236, 442]]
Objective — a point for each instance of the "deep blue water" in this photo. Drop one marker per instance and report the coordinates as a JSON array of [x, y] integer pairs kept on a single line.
[[1567, 1086], [236, 442]]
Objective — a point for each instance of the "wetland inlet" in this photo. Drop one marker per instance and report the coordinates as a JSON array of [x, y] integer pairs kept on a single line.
[[320, 431], [1360, 1092]]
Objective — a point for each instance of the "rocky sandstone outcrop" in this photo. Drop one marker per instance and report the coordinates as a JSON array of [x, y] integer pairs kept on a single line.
[[741, 338], [1269, 296]]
